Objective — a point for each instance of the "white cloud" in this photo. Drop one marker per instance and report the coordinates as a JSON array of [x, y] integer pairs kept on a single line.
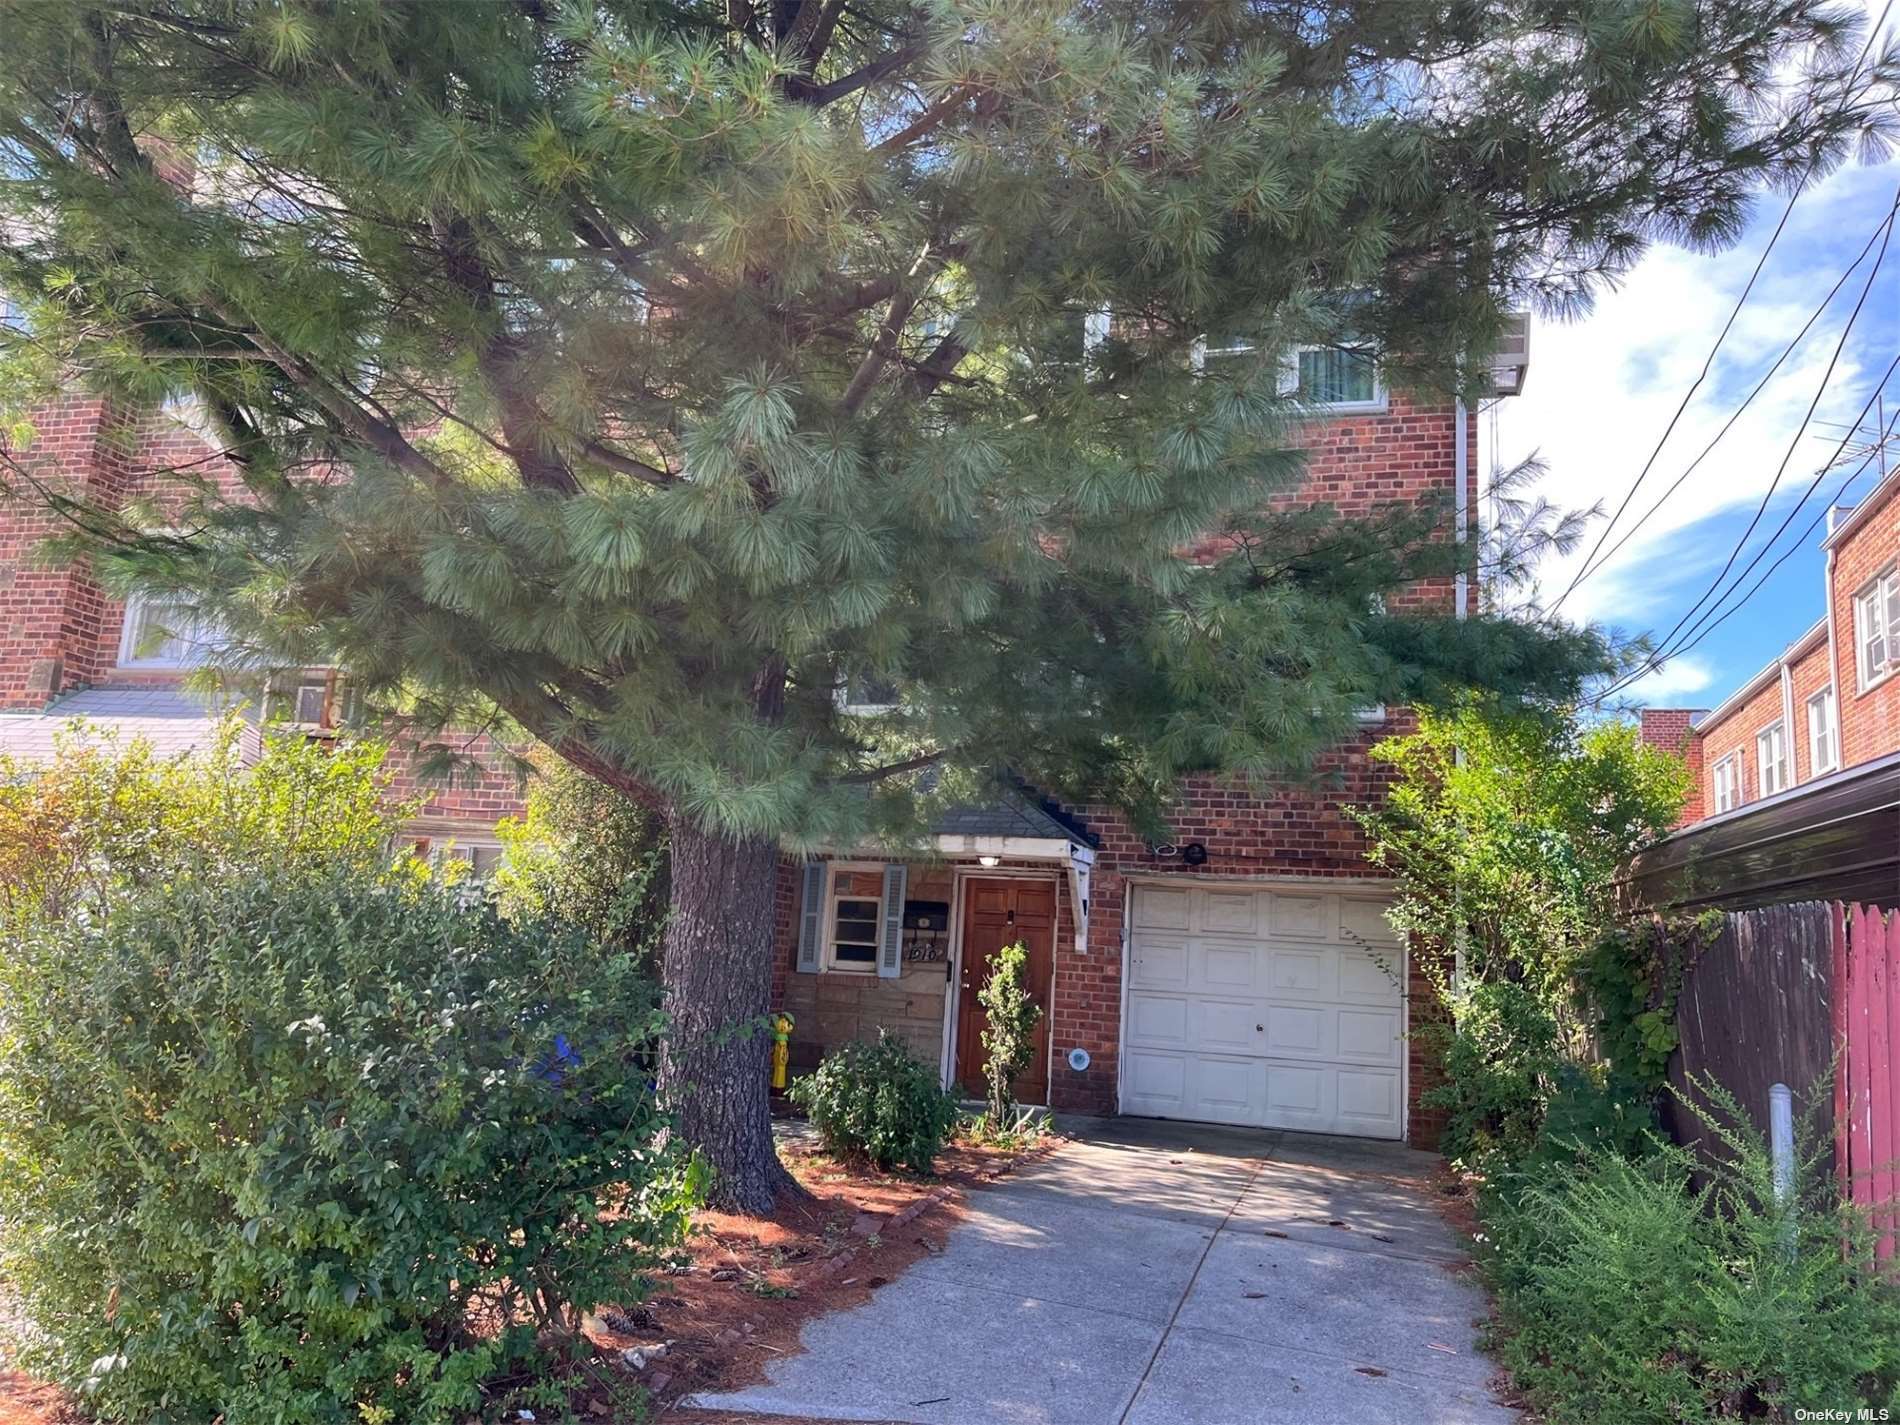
[[1602, 390], [1676, 682]]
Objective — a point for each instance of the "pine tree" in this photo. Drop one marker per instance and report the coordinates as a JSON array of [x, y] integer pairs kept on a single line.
[[645, 371]]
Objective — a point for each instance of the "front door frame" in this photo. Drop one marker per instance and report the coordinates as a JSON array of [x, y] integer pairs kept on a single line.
[[1348, 885], [947, 1069]]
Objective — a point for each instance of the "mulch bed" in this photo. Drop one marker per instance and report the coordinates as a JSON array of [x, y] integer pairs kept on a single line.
[[748, 1291]]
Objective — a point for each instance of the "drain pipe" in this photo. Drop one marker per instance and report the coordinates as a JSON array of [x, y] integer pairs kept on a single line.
[[1461, 501], [1781, 1158], [1461, 606]]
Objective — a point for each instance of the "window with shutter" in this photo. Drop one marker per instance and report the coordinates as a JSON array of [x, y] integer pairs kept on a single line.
[[890, 953], [811, 918]]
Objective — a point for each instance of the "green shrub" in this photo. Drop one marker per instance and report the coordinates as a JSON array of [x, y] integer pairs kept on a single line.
[[878, 1102], [585, 856], [1009, 1021], [1594, 1110], [1627, 1294], [1501, 1060], [106, 818], [318, 1149]]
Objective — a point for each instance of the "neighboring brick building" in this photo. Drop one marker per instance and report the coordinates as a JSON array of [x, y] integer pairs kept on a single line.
[[1827, 702], [1244, 974], [68, 650]]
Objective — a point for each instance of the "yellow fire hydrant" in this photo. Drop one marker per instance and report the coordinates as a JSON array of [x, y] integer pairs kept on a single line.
[[781, 1048]]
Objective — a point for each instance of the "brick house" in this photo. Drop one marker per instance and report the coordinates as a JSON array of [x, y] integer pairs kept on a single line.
[[1826, 703], [1243, 974], [68, 650]]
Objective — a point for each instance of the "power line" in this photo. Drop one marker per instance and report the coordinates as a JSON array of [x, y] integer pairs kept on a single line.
[[1786, 213], [1590, 567], [1704, 627], [1788, 455], [1789, 552]]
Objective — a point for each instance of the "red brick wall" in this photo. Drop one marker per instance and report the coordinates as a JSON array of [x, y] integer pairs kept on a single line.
[[1870, 718], [1293, 831], [1673, 730], [475, 795], [49, 616], [59, 630], [1357, 464]]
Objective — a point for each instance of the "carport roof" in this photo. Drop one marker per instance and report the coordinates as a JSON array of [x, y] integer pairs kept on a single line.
[[170, 720]]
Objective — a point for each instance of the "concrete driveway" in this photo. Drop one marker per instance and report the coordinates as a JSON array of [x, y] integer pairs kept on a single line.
[[1167, 1274]]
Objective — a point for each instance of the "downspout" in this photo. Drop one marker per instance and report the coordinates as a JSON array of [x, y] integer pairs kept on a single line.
[[1787, 719], [1460, 603], [1461, 500], [1833, 667]]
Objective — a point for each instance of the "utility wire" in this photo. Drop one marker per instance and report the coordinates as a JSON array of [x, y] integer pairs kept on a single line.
[[1590, 567], [1800, 539], [1788, 455], [1873, 32], [1704, 627]]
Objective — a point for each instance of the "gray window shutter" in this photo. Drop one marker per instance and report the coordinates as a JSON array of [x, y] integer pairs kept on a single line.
[[890, 943], [811, 919]]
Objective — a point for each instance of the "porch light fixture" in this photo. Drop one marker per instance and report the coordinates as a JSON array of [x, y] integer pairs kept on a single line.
[[988, 860]]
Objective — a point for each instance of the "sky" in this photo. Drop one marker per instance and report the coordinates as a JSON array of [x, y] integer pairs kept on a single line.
[[1601, 391]]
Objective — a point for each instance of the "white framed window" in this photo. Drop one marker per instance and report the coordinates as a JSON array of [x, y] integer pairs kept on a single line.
[[853, 913], [1771, 759], [1877, 628], [1338, 378], [314, 700], [1824, 734], [1726, 778], [481, 857], [159, 633], [867, 695]]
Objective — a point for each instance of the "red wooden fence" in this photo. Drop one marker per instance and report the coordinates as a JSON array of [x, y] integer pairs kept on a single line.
[[1866, 1006]]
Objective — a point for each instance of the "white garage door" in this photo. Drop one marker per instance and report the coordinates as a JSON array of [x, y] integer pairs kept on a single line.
[[1272, 1008]]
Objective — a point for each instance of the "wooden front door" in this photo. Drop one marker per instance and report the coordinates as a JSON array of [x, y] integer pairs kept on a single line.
[[998, 913]]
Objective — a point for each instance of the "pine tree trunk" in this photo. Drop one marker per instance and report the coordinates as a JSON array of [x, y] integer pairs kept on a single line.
[[715, 1058]]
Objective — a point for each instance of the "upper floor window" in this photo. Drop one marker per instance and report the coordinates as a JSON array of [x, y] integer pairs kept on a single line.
[[1771, 759], [866, 695], [314, 701], [1824, 733], [1727, 780], [1341, 378], [162, 633], [1877, 628]]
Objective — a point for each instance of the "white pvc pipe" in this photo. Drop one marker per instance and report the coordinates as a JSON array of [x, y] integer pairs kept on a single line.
[[1781, 1157]]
